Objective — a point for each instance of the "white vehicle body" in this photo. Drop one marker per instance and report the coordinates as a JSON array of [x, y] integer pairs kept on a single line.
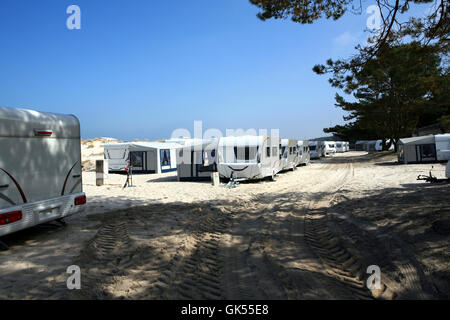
[[346, 146], [148, 157], [315, 149], [329, 148], [340, 147], [197, 159], [442, 146], [304, 155], [249, 157], [379, 145], [289, 152], [40, 168]]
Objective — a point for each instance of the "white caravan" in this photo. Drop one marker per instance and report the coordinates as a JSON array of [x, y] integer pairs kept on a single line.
[[379, 145], [304, 155], [289, 154], [329, 148], [442, 146], [340, 147], [40, 168], [144, 157], [315, 149], [345, 146], [249, 157], [197, 159]]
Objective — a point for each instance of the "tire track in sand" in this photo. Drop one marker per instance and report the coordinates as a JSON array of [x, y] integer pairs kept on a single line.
[[196, 271], [339, 262]]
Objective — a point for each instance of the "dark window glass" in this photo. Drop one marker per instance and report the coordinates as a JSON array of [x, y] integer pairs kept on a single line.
[[136, 159], [245, 153]]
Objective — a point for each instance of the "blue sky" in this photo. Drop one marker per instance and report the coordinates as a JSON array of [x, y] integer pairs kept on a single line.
[[141, 68]]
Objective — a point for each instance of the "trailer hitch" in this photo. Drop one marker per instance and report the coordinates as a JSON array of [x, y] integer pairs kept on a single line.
[[234, 182]]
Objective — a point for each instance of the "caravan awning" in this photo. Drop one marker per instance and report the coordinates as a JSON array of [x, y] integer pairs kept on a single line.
[[418, 140]]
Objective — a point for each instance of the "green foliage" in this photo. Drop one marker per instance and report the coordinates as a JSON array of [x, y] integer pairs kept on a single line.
[[300, 10], [351, 132], [395, 90], [445, 123]]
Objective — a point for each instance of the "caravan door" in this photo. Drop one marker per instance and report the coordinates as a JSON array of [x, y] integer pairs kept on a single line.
[[138, 160], [164, 156]]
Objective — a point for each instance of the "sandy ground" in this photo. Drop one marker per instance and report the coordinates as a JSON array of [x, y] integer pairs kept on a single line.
[[311, 234]]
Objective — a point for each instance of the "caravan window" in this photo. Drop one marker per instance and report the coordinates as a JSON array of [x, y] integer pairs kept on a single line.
[[245, 153], [208, 158], [116, 154], [268, 151]]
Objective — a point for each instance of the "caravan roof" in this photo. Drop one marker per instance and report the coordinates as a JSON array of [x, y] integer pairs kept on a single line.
[[442, 137], [148, 145], [208, 143], [26, 123], [418, 140], [241, 141]]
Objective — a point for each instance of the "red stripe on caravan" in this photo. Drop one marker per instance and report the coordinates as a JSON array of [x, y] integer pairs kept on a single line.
[[24, 199], [67, 177], [238, 169]]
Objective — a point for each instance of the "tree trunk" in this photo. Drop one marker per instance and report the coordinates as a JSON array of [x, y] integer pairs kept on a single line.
[[395, 142]]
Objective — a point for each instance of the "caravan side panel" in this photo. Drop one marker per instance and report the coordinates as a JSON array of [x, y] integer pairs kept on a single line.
[[443, 147]]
